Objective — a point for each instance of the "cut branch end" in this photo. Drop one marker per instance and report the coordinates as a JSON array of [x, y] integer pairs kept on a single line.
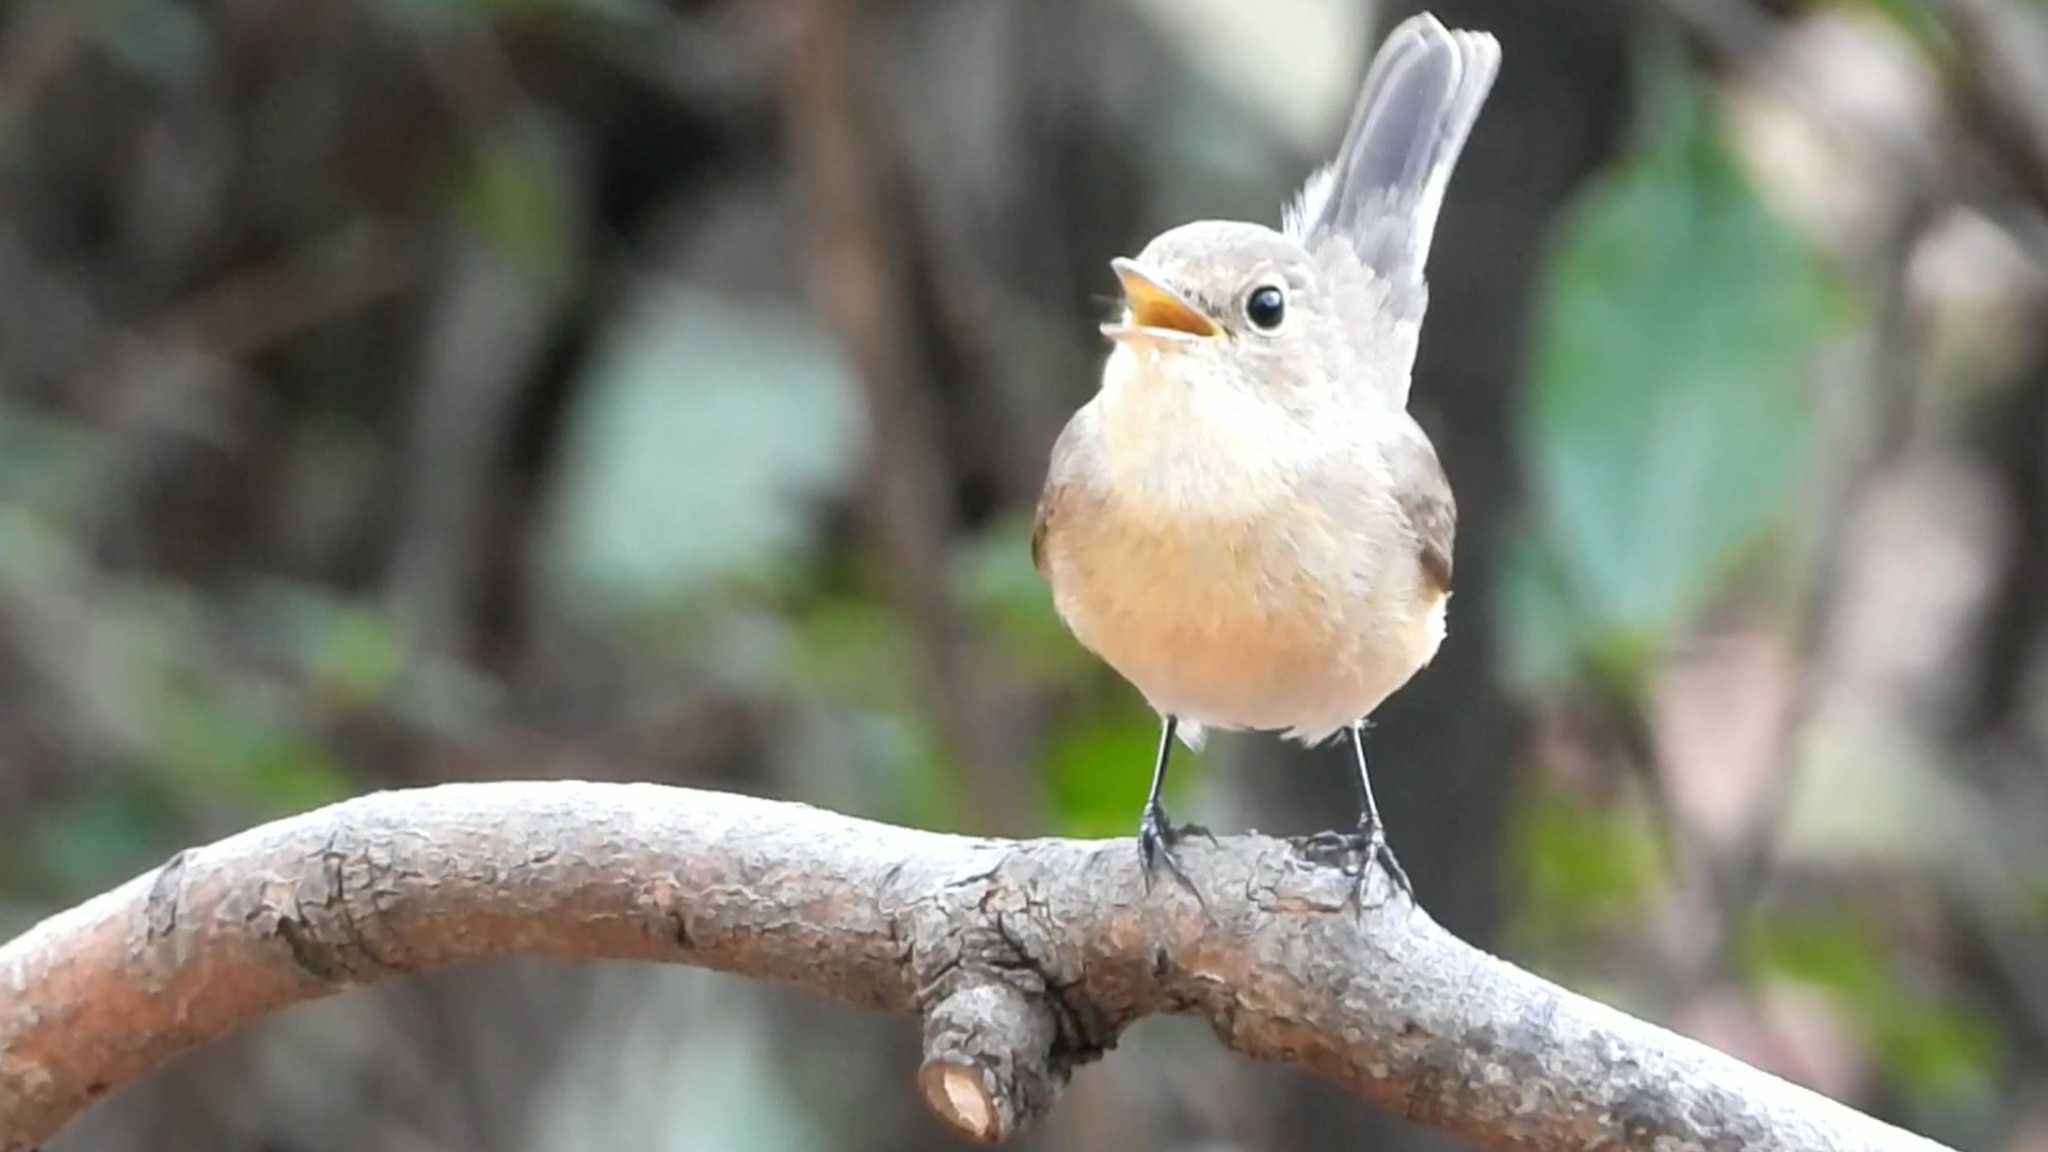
[[989, 1061]]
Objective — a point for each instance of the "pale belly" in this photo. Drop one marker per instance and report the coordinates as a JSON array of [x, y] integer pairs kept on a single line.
[[1234, 627]]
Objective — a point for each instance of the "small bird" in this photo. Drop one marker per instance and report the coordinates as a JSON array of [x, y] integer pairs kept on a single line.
[[1244, 521]]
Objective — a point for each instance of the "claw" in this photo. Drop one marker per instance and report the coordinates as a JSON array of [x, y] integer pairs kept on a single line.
[[1362, 849], [1376, 850], [1370, 841], [1156, 838]]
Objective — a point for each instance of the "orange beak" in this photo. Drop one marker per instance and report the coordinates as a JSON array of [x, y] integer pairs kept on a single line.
[[1153, 309]]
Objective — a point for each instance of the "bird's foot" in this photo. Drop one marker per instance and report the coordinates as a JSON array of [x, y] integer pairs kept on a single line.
[[1362, 849], [1156, 838]]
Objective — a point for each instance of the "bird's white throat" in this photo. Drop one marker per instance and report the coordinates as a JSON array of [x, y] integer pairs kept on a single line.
[[1179, 441]]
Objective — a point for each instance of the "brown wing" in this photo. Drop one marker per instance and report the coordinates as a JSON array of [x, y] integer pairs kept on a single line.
[[1431, 510], [1061, 485], [1041, 524], [1436, 525]]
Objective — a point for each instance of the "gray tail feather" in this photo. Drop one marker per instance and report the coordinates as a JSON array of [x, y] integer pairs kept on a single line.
[[1382, 194]]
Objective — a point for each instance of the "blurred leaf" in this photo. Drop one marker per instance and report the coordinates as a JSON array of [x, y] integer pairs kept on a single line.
[[1540, 620], [858, 654], [1919, 21], [222, 743], [1668, 420], [995, 572], [351, 653], [1843, 951], [705, 426], [1012, 601], [511, 192], [1939, 1051], [86, 844], [1939, 1055], [1581, 869], [856, 651], [1100, 767], [355, 656]]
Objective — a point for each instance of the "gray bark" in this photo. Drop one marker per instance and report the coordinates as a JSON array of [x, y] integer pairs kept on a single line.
[[1024, 958]]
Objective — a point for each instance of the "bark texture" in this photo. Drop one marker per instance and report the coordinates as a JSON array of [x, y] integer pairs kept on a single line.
[[1024, 958]]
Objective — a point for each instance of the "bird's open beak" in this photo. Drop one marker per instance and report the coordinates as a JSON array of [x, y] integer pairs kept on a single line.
[[1154, 310]]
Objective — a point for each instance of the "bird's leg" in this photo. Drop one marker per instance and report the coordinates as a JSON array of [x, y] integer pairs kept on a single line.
[[1370, 830], [1369, 842], [1156, 833]]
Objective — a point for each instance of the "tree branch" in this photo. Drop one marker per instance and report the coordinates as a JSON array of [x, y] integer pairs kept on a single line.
[[1023, 958]]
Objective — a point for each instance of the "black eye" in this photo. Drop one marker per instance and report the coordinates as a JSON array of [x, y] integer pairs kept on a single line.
[[1266, 307]]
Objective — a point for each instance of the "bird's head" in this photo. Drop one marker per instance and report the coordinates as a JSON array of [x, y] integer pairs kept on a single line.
[[1236, 310]]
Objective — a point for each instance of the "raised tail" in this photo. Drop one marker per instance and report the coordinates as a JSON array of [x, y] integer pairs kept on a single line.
[[1383, 192]]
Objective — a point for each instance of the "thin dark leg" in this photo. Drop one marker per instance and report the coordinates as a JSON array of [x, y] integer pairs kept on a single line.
[[1369, 827], [1169, 727], [1156, 833]]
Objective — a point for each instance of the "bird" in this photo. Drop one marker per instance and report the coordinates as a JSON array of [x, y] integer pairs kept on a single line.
[[1244, 521]]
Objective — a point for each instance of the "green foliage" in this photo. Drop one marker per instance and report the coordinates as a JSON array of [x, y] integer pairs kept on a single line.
[[1940, 1054], [511, 194], [86, 843], [181, 727], [1668, 422], [705, 426], [1099, 767], [1012, 603], [856, 650], [1844, 951], [1918, 20], [1579, 870], [1542, 624], [220, 744], [350, 654], [1937, 1050]]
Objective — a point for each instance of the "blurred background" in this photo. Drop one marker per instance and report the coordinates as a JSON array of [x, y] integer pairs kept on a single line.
[[404, 391]]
